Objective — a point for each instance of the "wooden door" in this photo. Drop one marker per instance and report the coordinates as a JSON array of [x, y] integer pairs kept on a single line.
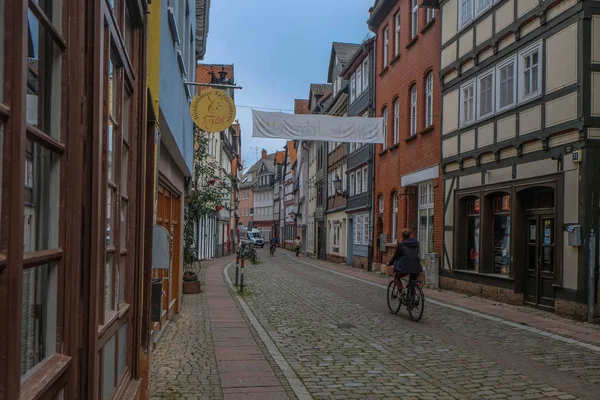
[[168, 215], [539, 289]]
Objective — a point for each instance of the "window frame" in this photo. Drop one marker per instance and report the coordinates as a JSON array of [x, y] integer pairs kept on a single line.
[[396, 106], [429, 206], [394, 227], [365, 65], [413, 111], [490, 72], [386, 44], [351, 178], [512, 60], [414, 19], [365, 174], [462, 24], [429, 99], [478, 11], [384, 114], [397, 34], [366, 229], [470, 83], [537, 47]]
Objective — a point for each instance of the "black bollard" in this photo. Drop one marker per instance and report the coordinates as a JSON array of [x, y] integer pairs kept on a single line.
[[242, 278], [237, 268]]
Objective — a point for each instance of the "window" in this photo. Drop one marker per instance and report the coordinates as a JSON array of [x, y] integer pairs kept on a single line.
[[506, 84], [358, 227], [473, 208], [396, 120], [352, 87], [429, 100], [467, 102], [365, 175], [501, 232], [397, 33], [430, 16], [352, 183], [465, 12], [365, 73], [530, 72], [414, 23], [380, 204], [413, 110], [359, 85], [426, 219], [336, 236], [344, 178], [386, 44], [485, 91], [366, 230], [359, 182], [394, 217], [481, 6], [385, 127]]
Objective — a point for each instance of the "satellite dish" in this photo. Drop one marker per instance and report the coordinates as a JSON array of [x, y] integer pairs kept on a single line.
[[160, 247]]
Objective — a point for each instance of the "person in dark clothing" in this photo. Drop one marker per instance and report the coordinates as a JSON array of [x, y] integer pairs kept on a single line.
[[406, 259]]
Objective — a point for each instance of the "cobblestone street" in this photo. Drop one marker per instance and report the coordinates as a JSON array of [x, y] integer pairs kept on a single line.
[[329, 326]]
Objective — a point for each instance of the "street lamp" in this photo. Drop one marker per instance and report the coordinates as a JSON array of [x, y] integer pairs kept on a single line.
[[337, 184]]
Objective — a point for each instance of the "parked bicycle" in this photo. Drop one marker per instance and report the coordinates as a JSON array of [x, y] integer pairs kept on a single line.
[[412, 297]]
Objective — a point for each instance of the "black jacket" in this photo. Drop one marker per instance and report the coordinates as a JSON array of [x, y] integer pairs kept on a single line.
[[406, 259]]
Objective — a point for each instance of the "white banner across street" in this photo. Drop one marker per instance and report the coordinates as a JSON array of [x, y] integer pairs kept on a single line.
[[277, 125]]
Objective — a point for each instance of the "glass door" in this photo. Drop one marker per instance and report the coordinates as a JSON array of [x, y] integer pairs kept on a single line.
[[539, 289]]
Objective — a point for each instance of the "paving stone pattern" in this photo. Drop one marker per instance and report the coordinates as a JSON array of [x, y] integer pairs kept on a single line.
[[184, 365], [341, 340]]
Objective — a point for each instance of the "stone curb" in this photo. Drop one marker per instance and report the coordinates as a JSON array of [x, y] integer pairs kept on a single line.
[[296, 384]]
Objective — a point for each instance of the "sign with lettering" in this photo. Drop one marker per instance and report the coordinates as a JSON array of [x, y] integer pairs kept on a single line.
[[212, 110]]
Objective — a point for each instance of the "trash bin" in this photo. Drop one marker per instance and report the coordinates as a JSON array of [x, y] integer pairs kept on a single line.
[[156, 300]]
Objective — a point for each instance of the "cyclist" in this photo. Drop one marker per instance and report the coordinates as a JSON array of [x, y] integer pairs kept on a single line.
[[297, 245], [406, 260], [273, 244]]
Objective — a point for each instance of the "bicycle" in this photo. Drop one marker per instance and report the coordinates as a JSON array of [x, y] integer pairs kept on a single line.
[[272, 250], [413, 298]]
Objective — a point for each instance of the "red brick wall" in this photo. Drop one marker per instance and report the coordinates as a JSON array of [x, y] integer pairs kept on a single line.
[[421, 151]]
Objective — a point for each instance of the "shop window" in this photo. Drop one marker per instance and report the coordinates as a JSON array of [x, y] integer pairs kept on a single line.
[[501, 225], [41, 168], [39, 313], [473, 232]]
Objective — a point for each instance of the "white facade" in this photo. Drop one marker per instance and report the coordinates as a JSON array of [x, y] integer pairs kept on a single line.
[[311, 201]]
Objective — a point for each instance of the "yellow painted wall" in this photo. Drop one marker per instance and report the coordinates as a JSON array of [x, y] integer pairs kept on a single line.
[[153, 70], [154, 51]]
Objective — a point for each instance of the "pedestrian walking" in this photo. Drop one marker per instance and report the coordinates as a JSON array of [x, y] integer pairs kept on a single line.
[[297, 245]]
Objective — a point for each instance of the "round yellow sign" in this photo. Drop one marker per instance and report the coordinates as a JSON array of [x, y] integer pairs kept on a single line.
[[212, 110]]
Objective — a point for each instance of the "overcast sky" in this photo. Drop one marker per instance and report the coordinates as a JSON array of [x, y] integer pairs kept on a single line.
[[278, 47]]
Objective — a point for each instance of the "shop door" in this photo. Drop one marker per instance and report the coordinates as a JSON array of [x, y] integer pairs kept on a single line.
[[168, 215], [539, 289]]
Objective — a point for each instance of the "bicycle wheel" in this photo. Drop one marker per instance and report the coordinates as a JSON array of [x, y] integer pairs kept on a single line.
[[416, 304], [393, 298], [254, 257]]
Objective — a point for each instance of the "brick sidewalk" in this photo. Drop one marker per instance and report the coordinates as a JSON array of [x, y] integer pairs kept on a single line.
[[520, 315], [208, 351], [244, 371]]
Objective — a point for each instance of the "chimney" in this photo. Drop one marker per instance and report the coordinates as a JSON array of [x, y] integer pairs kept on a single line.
[[264, 154]]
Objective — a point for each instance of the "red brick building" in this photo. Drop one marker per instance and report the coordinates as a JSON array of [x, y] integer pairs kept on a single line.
[[408, 189]]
